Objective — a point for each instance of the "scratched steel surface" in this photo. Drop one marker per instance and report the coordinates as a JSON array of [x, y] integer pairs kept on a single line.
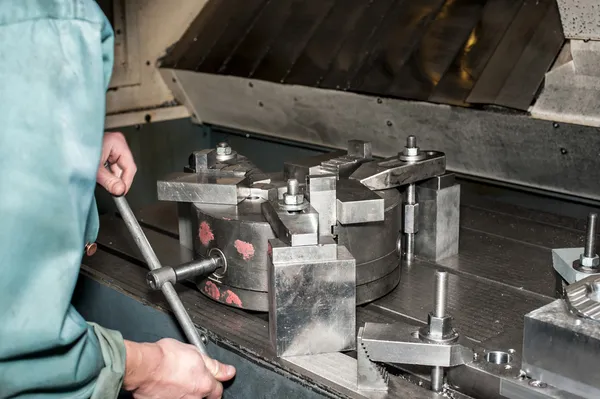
[[502, 272], [482, 309], [460, 52]]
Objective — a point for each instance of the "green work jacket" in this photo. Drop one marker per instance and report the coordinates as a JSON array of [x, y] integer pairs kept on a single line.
[[56, 59]]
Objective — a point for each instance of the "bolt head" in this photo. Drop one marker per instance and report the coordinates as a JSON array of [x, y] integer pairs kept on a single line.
[[223, 149], [151, 281], [293, 199], [589, 261], [91, 248]]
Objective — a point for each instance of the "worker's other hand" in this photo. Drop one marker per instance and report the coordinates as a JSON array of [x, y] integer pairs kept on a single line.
[[119, 178], [171, 369]]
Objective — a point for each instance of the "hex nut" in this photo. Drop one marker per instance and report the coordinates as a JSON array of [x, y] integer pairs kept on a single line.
[[440, 326], [589, 262], [293, 199], [411, 216], [411, 152], [439, 329], [223, 150]]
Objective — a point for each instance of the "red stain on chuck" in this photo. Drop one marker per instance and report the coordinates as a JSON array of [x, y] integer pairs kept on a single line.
[[206, 234], [244, 248], [212, 290], [231, 298], [269, 250]]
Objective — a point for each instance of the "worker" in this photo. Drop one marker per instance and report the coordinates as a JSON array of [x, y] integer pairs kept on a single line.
[[55, 64]]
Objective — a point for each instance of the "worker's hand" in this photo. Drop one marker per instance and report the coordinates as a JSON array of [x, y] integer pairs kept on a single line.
[[171, 369], [115, 150]]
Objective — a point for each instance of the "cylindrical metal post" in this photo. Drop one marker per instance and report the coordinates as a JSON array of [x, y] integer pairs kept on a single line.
[[590, 239], [153, 263], [437, 379], [197, 268], [409, 238], [410, 152], [411, 194], [409, 246], [440, 294], [158, 277], [292, 186]]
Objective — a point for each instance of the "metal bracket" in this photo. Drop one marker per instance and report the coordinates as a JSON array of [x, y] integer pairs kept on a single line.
[[340, 163], [400, 343], [437, 345], [218, 176], [393, 172]]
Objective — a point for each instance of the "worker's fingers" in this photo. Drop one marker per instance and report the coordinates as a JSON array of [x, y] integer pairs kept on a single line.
[[116, 152], [116, 170], [217, 391], [129, 169], [172, 369], [110, 182], [219, 370], [120, 155]]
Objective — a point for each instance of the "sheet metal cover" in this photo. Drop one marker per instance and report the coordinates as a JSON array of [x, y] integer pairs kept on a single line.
[[459, 52]]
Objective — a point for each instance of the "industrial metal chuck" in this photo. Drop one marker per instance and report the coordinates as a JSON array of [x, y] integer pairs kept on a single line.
[[310, 243]]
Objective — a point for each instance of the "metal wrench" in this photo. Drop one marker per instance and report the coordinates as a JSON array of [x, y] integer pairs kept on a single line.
[[153, 263]]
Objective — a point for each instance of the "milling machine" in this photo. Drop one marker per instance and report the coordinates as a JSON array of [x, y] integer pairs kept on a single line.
[[366, 270]]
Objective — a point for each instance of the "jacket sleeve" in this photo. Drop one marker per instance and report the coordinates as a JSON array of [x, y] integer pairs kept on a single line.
[[56, 61]]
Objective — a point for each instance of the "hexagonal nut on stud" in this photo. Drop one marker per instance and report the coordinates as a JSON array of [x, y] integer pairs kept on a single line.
[[589, 261], [411, 217], [439, 329], [411, 152], [223, 149], [293, 199]]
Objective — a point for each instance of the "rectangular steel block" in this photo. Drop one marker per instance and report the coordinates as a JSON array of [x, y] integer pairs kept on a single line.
[[439, 220], [562, 350], [295, 229], [205, 188], [312, 304], [358, 204], [322, 197]]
